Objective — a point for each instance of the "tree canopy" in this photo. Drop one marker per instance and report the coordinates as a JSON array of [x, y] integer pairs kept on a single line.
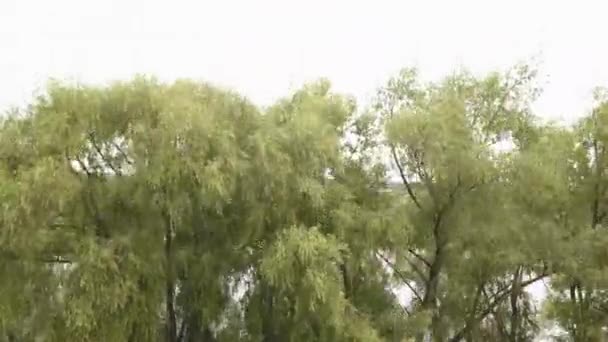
[[182, 212]]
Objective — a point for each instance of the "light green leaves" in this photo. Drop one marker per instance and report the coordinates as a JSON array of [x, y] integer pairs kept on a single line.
[[146, 211]]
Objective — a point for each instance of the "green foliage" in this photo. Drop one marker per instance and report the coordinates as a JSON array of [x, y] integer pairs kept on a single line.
[[144, 211]]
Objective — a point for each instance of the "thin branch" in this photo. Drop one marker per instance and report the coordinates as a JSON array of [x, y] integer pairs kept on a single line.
[[404, 178], [480, 291], [470, 315], [452, 193], [70, 166], [500, 323], [416, 269], [419, 257], [122, 152], [424, 175], [107, 162], [602, 308], [400, 275], [12, 256], [496, 299], [56, 260], [84, 167]]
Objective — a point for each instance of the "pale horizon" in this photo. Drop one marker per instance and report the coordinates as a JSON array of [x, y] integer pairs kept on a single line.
[[263, 49]]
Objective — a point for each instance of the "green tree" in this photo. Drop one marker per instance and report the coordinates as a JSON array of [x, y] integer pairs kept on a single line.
[[578, 301], [145, 211], [467, 253], [142, 211]]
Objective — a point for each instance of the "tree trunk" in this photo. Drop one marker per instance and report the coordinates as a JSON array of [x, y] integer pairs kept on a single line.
[[515, 317], [429, 301], [346, 282], [268, 327], [171, 323]]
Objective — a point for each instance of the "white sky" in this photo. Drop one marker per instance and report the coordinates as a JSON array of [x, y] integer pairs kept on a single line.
[[265, 48]]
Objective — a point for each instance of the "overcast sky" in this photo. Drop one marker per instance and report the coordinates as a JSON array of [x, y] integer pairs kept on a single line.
[[264, 48]]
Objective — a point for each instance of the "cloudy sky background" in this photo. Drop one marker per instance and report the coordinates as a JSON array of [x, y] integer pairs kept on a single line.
[[264, 48]]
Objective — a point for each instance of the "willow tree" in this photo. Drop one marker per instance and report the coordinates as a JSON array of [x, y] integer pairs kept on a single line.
[[133, 187], [578, 301], [318, 278], [144, 211], [462, 259]]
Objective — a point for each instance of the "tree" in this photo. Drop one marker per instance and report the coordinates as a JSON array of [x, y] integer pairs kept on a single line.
[[578, 301], [137, 178], [163, 202], [145, 211], [463, 250]]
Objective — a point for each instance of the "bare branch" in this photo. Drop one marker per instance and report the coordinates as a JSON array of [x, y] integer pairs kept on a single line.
[[416, 269], [122, 152], [400, 275], [56, 260], [480, 290], [419, 257], [83, 167], [424, 175], [495, 300], [404, 177], [12, 256], [107, 162]]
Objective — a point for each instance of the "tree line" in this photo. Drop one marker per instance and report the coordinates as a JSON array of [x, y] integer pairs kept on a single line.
[[178, 212]]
